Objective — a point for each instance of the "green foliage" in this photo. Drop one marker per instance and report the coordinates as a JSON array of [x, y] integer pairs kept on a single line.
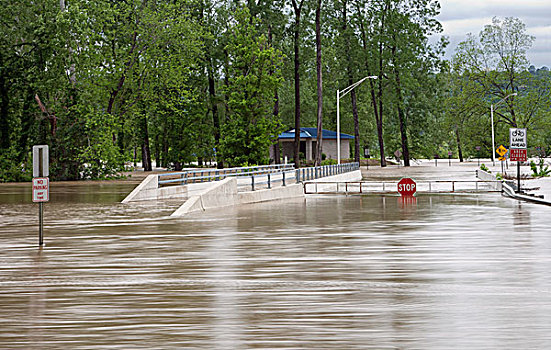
[[483, 167], [12, 170], [329, 162], [540, 169], [182, 80], [254, 74]]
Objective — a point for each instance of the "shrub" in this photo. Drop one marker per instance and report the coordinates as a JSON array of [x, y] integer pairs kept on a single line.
[[12, 170], [543, 170], [483, 167]]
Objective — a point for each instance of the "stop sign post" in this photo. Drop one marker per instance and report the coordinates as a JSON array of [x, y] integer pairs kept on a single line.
[[407, 187]]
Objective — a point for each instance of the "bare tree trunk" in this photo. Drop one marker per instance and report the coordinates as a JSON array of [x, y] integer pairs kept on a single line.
[[376, 88], [215, 116], [146, 153], [319, 138], [297, 9], [350, 71], [459, 149], [400, 109]]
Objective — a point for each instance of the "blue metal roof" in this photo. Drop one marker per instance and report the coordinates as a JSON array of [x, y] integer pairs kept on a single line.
[[312, 133]]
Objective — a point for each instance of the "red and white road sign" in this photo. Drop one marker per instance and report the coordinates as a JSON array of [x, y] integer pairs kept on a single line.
[[518, 155], [407, 187], [41, 189]]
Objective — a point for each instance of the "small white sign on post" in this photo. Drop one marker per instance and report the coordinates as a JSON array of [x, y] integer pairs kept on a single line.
[[41, 161], [517, 137], [41, 184], [41, 189]]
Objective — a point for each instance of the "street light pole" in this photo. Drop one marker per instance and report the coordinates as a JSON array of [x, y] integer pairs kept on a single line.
[[341, 94], [493, 137], [338, 129], [492, 120]]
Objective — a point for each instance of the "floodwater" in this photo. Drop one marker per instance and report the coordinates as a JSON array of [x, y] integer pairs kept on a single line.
[[356, 272]]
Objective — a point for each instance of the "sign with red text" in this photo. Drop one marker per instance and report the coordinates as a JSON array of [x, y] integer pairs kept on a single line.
[[518, 155], [407, 187], [41, 189]]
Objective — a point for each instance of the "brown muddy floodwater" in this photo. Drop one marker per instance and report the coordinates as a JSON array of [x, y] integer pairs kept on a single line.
[[357, 272]]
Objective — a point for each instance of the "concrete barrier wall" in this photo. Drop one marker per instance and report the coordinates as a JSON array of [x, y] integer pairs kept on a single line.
[[283, 192], [218, 195], [224, 193], [486, 176], [146, 190]]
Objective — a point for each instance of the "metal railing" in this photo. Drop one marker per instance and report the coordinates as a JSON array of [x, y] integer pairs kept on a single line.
[[198, 176], [302, 174], [372, 187], [307, 174], [263, 176]]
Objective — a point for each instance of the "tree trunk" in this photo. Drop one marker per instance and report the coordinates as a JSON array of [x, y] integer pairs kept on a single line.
[[379, 118], [373, 91], [350, 82], [215, 116], [319, 138], [297, 9], [459, 149], [146, 153], [400, 109], [275, 112]]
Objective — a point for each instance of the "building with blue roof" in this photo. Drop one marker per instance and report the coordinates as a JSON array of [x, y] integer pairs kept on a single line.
[[308, 146]]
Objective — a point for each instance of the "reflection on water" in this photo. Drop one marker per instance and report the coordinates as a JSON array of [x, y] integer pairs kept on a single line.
[[441, 272]]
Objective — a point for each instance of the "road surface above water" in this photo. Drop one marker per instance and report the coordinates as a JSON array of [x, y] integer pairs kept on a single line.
[[356, 272]]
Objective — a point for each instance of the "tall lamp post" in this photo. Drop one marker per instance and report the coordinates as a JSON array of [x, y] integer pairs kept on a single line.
[[341, 94], [492, 117]]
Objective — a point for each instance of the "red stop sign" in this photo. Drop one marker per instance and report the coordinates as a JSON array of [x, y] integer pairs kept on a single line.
[[407, 187]]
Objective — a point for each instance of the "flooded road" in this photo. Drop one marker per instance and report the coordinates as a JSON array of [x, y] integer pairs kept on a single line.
[[357, 272]]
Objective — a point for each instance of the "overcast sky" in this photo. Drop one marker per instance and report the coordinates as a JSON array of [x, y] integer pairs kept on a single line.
[[459, 17]]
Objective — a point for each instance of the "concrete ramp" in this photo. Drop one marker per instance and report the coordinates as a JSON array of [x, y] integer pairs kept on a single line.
[[220, 194]]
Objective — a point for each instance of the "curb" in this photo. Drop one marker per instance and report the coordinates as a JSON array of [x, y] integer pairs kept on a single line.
[[508, 191]]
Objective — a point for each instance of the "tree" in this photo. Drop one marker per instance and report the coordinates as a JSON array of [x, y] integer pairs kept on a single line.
[[254, 73], [496, 62], [297, 8], [319, 138]]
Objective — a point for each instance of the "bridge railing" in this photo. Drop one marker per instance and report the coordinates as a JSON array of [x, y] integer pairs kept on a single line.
[[301, 175], [262, 176], [197, 176], [312, 173], [435, 186]]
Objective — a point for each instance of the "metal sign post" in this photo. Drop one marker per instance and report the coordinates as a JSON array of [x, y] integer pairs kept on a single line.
[[502, 151], [519, 145], [41, 185]]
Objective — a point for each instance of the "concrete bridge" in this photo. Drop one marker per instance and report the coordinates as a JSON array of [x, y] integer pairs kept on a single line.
[[209, 189]]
